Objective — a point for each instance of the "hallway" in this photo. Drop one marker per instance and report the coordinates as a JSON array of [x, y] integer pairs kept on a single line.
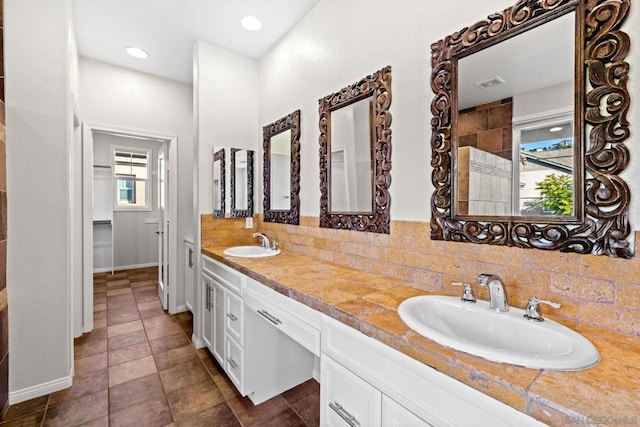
[[138, 368]]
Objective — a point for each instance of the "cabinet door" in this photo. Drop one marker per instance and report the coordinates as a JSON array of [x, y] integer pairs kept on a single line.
[[234, 317], [217, 320], [395, 415], [234, 364], [207, 310], [188, 275], [346, 399]]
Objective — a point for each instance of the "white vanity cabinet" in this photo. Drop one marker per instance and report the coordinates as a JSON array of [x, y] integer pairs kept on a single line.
[[265, 342], [365, 382], [268, 343], [207, 324], [223, 320]]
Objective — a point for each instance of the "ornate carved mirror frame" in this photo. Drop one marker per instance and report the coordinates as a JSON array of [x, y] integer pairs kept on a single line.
[[292, 215], [241, 213], [602, 104], [376, 86], [219, 156]]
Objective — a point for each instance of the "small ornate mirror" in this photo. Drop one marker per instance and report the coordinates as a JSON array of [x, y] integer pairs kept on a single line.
[[241, 183], [529, 129], [281, 142], [218, 184], [355, 155]]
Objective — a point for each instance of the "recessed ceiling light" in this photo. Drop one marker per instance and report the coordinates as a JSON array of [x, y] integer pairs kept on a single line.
[[136, 52], [251, 23], [556, 129]]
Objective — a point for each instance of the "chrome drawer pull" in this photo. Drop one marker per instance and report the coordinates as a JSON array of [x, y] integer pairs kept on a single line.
[[208, 299], [270, 317], [338, 409], [232, 363], [232, 317]]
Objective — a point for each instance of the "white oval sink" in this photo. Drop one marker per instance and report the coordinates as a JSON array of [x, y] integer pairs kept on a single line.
[[499, 337], [250, 252]]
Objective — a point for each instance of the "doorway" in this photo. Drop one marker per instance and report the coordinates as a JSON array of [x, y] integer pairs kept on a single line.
[[128, 204]]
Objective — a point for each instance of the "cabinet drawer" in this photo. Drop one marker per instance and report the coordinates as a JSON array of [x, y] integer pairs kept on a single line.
[[300, 331], [234, 318], [395, 415], [234, 364], [230, 278], [346, 399]]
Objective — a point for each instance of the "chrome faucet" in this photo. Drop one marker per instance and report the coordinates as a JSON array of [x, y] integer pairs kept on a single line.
[[497, 295], [266, 243]]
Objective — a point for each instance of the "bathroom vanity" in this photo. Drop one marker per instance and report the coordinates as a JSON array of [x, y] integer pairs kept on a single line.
[[268, 341]]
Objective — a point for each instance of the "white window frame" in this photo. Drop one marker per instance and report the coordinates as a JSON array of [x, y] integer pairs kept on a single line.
[[148, 193]]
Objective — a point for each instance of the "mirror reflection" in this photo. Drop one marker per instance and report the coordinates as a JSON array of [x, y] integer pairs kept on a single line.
[[218, 184], [280, 184], [355, 155], [281, 170], [351, 160], [515, 134], [240, 161], [241, 182]]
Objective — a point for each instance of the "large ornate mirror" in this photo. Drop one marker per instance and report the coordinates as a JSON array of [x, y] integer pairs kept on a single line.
[[218, 184], [529, 129], [281, 170], [355, 155], [241, 183]]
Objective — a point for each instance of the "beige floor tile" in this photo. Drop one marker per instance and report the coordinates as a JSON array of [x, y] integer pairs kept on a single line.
[[124, 328], [128, 371]]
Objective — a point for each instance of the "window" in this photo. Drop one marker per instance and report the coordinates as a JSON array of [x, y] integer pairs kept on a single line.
[[131, 169]]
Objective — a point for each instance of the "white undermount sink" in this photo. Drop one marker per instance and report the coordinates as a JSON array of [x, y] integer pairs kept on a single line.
[[499, 337], [251, 252]]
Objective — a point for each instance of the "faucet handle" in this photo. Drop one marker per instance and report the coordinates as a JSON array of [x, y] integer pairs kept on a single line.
[[467, 293], [274, 245], [532, 311]]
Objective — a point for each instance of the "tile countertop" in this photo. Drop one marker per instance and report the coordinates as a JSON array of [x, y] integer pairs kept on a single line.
[[608, 393]]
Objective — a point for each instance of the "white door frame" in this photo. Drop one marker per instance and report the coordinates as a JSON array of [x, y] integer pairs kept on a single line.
[[87, 205]]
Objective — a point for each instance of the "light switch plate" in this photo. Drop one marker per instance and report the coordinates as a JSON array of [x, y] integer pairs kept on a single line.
[[249, 222]]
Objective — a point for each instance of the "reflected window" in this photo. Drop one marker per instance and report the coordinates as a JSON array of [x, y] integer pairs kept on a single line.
[[545, 167]]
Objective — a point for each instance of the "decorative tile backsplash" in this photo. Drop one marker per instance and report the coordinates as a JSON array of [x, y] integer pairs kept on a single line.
[[593, 290]]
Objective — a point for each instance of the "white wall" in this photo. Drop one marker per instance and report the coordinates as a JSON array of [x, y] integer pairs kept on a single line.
[[225, 87], [38, 51], [118, 97], [339, 42], [227, 104]]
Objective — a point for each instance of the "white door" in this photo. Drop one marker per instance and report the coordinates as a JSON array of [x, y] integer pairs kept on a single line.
[[163, 227]]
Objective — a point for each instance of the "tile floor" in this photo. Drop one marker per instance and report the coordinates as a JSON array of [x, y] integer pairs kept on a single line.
[[138, 368]]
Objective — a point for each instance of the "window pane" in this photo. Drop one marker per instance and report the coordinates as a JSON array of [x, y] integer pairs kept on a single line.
[[132, 172]]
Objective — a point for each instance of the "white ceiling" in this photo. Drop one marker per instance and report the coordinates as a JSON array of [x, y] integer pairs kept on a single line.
[[168, 29]]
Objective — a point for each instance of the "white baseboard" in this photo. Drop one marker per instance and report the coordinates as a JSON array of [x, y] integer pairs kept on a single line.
[[197, 342], [125, 267], [182, 308], [40, 390]]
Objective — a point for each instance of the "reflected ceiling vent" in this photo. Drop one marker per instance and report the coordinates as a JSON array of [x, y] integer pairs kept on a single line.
[[497, 80]]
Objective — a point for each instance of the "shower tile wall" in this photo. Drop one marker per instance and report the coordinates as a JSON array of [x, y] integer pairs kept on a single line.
[[487, 127]]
